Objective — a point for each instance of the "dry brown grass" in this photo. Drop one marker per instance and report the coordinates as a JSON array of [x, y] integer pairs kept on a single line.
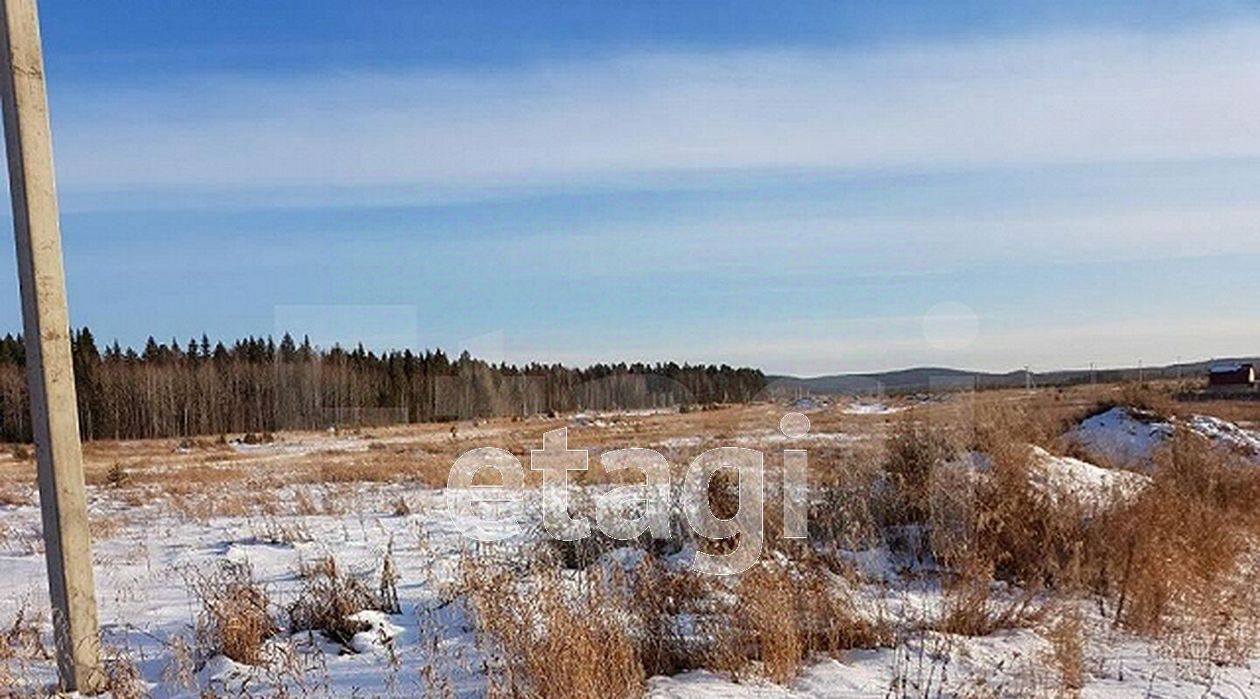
[[603, 636], [970, 607], [122, 675], [1022, 534], [236, 615], [1067, 652], [281, 531], [657, 597], [329, 596], [1180, 559], [16, 496], [107, 526], [21, 638], [549, 645], [1175, 563], [783, 616], [914, 451]]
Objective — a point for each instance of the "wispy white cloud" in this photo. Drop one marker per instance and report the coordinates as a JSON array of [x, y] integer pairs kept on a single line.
[[1055, 99], [780, 279]]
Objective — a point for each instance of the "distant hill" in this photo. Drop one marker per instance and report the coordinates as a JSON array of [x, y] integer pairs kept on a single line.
[[923, 379]]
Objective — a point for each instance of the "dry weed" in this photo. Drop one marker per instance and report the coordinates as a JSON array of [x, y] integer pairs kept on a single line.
[[549, 645], [783, 615], [235, 618], [328, 598], [1067, 652], [22, 638], [970, 608]]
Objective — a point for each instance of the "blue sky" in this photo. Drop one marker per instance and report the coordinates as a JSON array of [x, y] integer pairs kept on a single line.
[[808, 187]]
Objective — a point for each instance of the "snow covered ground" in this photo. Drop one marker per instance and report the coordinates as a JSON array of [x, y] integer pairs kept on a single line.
[[147, 608], [151, 542], [871, 408]]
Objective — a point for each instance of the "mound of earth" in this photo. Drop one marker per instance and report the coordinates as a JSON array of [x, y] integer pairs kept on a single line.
[[1066, 478], [1087, 484], [1125, 436]]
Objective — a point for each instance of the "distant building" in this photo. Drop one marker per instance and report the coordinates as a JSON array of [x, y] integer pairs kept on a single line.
[[1232, 376]]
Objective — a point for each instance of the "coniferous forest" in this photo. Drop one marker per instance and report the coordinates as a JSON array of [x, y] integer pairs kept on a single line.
[[257, 384]]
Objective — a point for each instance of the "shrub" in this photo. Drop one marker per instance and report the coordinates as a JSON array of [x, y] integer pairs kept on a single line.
[[235, 618], [1022, 534], [914, 451], [22, 638], [970, 609], [326, 601], [117, 476]]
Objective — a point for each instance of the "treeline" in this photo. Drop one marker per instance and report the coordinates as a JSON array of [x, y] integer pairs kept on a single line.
[[256, 384]]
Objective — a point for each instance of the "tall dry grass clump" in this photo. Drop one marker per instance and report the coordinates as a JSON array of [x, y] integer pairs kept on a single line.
[[1176, 561], [1067, 652], [784, 615], [551, 644], [843, 509], [1179, 561], [915, 455], [1023, 534], [329, 596], [235, 619], [658, 597], [21, 639], [914, 452], [970, 606]]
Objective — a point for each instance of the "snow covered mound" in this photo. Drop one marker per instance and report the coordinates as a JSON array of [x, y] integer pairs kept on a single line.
[[1087, 484], [1062, 477], [1122, 436], [1129, 437], [1227, 434]]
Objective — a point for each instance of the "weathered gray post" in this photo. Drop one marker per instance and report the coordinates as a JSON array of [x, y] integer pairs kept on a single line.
[[50, 374]]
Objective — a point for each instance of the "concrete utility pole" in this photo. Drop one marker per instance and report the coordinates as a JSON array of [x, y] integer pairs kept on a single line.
[[50, 373]]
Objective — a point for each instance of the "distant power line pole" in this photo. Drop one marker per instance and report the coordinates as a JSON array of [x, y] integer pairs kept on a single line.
[[50, 373]]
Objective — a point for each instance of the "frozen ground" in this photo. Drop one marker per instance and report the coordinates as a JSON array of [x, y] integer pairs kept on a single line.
[[150, 544], [146, 605]]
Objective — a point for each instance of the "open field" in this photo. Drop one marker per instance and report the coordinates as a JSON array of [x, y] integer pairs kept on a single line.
[[946, 556]]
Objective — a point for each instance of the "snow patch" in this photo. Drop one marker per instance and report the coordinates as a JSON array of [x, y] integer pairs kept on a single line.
[[863, 408], [380, 632], [1121, 435], [1087, 484], [1127, 436], [1226, 433]]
